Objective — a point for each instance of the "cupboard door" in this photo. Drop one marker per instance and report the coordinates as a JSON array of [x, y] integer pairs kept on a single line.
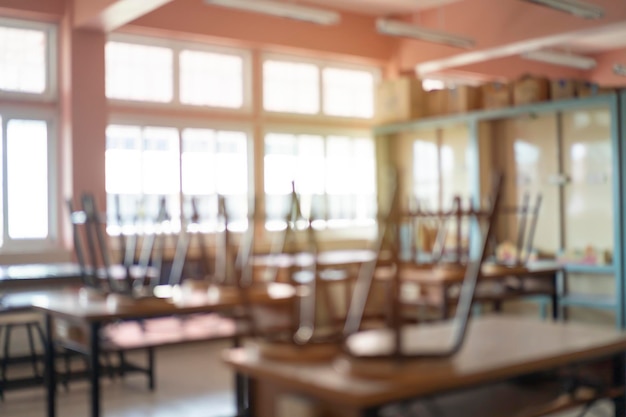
[[425, 169], [587, 161], [526, 151], [455, 164]]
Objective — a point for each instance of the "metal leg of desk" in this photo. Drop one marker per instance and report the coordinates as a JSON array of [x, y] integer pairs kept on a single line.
[[94, 365], [241, 385], [51, 382], [619, 380]]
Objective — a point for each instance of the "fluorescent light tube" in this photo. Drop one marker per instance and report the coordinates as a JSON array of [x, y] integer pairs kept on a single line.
[[397, 28], [287, 10], [561, 58], [575, 7]]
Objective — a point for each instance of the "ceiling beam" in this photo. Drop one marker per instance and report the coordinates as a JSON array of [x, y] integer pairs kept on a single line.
[[108, 15]]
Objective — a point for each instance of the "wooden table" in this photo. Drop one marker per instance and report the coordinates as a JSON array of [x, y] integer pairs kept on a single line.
[[93, 314], [497, 350], [541, 279], [38, 276]]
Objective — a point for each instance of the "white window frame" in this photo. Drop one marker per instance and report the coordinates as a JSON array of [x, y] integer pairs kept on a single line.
[[177, 47], [351, 229], [49, 243], [181, 124], [51, 91], [321, 65]]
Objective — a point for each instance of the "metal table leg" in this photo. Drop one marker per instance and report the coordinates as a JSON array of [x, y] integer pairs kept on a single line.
[[51, 382], [94, 364]]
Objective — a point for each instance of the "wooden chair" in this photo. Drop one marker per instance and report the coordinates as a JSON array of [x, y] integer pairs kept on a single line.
[[303, 333], [394, 341], [130, 275], [133, 274]]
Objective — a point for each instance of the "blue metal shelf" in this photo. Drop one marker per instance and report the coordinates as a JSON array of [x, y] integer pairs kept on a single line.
[[590, 269], [604, 302]]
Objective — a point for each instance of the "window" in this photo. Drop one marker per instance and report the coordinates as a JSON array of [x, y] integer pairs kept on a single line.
[[27, 185], [291, 87], [314, 88], [178, 164], [150, 71], [209, 79], [27, 57], [334, 176], [348, 93], [27, 136], [139, 72]]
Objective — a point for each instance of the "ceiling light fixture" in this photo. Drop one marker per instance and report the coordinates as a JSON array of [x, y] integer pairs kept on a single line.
[[575, 7], [286, 10], [561, 58], [397, 28]]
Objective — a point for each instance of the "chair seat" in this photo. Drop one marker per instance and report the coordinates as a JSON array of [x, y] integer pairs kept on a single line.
[[15, 317]]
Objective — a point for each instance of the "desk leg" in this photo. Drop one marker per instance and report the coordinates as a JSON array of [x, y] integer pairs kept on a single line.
[[555, 297], [241, 394], [94, 364], [619, 380], [51, 382]]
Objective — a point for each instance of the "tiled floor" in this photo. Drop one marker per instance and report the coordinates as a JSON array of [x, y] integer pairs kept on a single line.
[[191, 382]]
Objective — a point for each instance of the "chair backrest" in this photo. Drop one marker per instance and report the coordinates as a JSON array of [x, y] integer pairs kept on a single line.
[[217, 268], [481, 220], [93, 251]]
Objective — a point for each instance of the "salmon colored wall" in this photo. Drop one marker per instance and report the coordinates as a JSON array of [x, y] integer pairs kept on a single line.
[[36, 9], [89, 112], [355, 36], [603, 73], [514, 67]]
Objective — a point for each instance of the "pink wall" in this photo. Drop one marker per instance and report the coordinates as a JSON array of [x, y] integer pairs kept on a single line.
[[603, 73], [514, 67], [89, 112], [36, 9]]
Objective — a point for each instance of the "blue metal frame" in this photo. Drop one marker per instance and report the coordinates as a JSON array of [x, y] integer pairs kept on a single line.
[[616, 102]]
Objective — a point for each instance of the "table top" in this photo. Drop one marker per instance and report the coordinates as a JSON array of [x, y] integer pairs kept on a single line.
[[326, 259], [48, 274], [496, 348], [427, 277], [79, 305]]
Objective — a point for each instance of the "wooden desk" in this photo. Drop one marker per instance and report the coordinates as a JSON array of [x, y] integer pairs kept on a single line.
[[540, 280], [92, 315], [38, 276], [497, 349]]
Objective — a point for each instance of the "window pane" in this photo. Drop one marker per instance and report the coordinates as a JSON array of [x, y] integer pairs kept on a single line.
[[216, 162], [22, 60], [209, 79], [123, 160], [160, 159], [139, 72], [291, 87], [348, 93], [27, 179], [198, 159], [279, 171], [426, 174]]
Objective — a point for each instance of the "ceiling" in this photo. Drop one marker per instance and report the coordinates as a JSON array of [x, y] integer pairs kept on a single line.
[[503, 31], [571, 34]]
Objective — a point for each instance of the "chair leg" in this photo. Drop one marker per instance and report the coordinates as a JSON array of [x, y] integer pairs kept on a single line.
[[31, 345], [1, 376], [5, 357]]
